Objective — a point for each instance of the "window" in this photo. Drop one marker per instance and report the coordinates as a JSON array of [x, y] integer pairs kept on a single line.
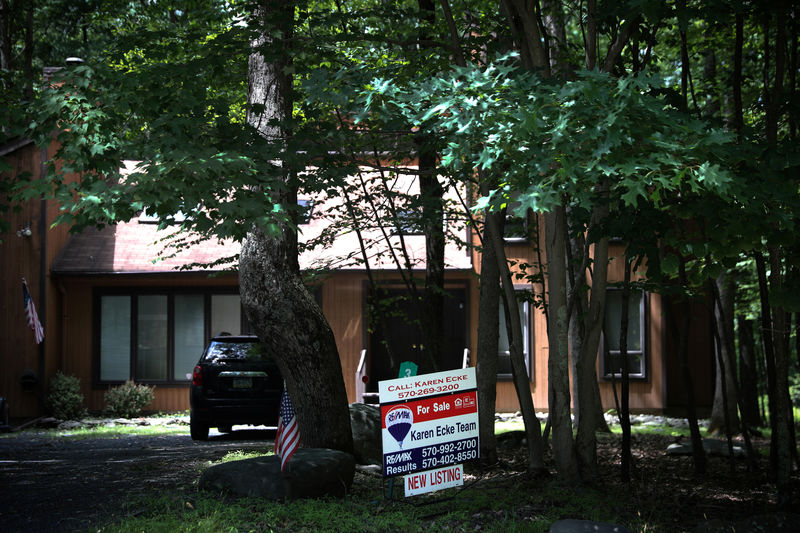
[[611, 361], [305, 209], [158, 336], [503, 347], [518, 229], [409, 222]]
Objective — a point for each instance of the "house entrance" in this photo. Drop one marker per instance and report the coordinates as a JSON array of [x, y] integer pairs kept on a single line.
[[400, 332]]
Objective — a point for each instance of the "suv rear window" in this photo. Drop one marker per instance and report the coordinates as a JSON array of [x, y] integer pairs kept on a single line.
[[239, 351]]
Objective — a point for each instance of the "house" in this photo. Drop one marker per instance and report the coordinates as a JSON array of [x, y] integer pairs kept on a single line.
[[113, 310]]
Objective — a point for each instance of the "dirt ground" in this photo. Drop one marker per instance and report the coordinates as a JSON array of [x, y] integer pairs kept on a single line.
[[58, 485]]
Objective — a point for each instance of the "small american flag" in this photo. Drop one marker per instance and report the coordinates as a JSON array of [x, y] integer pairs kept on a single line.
[[30, 313], [287, 438]]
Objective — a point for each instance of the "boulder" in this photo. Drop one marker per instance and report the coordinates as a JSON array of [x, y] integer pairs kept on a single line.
[[585, 526], [365, 421], [311, 473]]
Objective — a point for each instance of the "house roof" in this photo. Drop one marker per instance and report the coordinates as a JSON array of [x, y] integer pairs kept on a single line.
[[139, 247], [133, 247]]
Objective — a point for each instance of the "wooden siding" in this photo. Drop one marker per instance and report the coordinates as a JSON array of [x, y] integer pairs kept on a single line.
[[78, 315], [28, 257]]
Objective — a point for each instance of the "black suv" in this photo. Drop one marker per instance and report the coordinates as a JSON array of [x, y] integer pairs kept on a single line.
[[235, 382]]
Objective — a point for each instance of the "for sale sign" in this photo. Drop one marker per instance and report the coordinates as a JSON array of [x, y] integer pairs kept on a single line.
[[429, 421]]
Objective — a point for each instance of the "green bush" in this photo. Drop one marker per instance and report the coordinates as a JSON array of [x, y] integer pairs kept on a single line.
[[128, 400], [65, 399]]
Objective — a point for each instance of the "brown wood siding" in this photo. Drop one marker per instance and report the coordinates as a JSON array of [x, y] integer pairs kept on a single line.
[[78, 316], [23, 257], [342, 304]]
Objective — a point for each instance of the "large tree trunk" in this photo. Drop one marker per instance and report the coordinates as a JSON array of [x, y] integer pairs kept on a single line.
[[280, 309], [557, 334]]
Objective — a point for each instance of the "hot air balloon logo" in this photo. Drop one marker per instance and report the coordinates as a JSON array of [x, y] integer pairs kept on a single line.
[[398, 422]]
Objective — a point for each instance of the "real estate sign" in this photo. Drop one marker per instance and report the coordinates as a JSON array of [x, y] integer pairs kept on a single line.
[[429, 422]]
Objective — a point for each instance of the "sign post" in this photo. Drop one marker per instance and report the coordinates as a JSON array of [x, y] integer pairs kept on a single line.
[[429, 425]]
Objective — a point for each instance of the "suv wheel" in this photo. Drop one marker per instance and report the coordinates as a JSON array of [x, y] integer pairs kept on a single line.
[[197, 430]]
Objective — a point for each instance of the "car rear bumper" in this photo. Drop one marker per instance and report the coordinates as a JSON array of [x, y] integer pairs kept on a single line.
[[228, 412]]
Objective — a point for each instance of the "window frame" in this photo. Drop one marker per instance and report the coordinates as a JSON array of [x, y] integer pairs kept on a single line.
[[170, 292], [527, 334], [606, 353]]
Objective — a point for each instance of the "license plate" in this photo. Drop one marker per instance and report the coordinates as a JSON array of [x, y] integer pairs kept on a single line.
[[242, 383]]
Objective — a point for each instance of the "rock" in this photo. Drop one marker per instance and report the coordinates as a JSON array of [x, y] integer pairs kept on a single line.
[[510, 440], [585, 526], [69, 424], [314, 472], [711, 447], [48, 422], [774, 523], [365, 421]]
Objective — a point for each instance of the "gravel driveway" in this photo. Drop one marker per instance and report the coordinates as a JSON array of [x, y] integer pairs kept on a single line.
[[55, 484]]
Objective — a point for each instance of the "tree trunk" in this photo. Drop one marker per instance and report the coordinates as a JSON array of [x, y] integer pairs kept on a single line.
[[432, 192], [782, 412], [522, 384], [285, 316], [488, 335], [625, 412], [557, 334], [724, 414], [588, 397], [698, 453], [748, 373]]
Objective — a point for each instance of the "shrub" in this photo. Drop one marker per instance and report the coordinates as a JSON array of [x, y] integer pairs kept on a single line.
[[128, 400], [65, 400]]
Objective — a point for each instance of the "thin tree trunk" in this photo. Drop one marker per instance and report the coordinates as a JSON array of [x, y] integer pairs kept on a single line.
[[724, 415], [488, 341], [558, 333], [285, 316], [748, 374], [625, 414], [698, 453], [769, 353], [432, 192], [533, 431]]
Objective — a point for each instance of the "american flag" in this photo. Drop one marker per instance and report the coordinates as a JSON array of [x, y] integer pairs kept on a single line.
[[30, 313], [287, 438]]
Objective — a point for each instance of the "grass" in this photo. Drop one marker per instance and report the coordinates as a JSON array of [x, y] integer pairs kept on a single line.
[[503, 501], [471, 508], [499, 500], [104, 431]]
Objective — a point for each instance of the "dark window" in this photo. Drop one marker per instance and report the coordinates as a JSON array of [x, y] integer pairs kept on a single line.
[[158, 336], [503, 347], [636, 338]]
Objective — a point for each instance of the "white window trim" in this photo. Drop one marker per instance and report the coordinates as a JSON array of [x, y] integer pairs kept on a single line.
[[643, 321]]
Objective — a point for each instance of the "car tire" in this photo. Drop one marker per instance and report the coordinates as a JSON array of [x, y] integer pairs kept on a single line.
[[197, 430], [225, 429]]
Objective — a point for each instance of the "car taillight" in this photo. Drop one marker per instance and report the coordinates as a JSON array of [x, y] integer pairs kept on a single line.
[[197, 376]]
